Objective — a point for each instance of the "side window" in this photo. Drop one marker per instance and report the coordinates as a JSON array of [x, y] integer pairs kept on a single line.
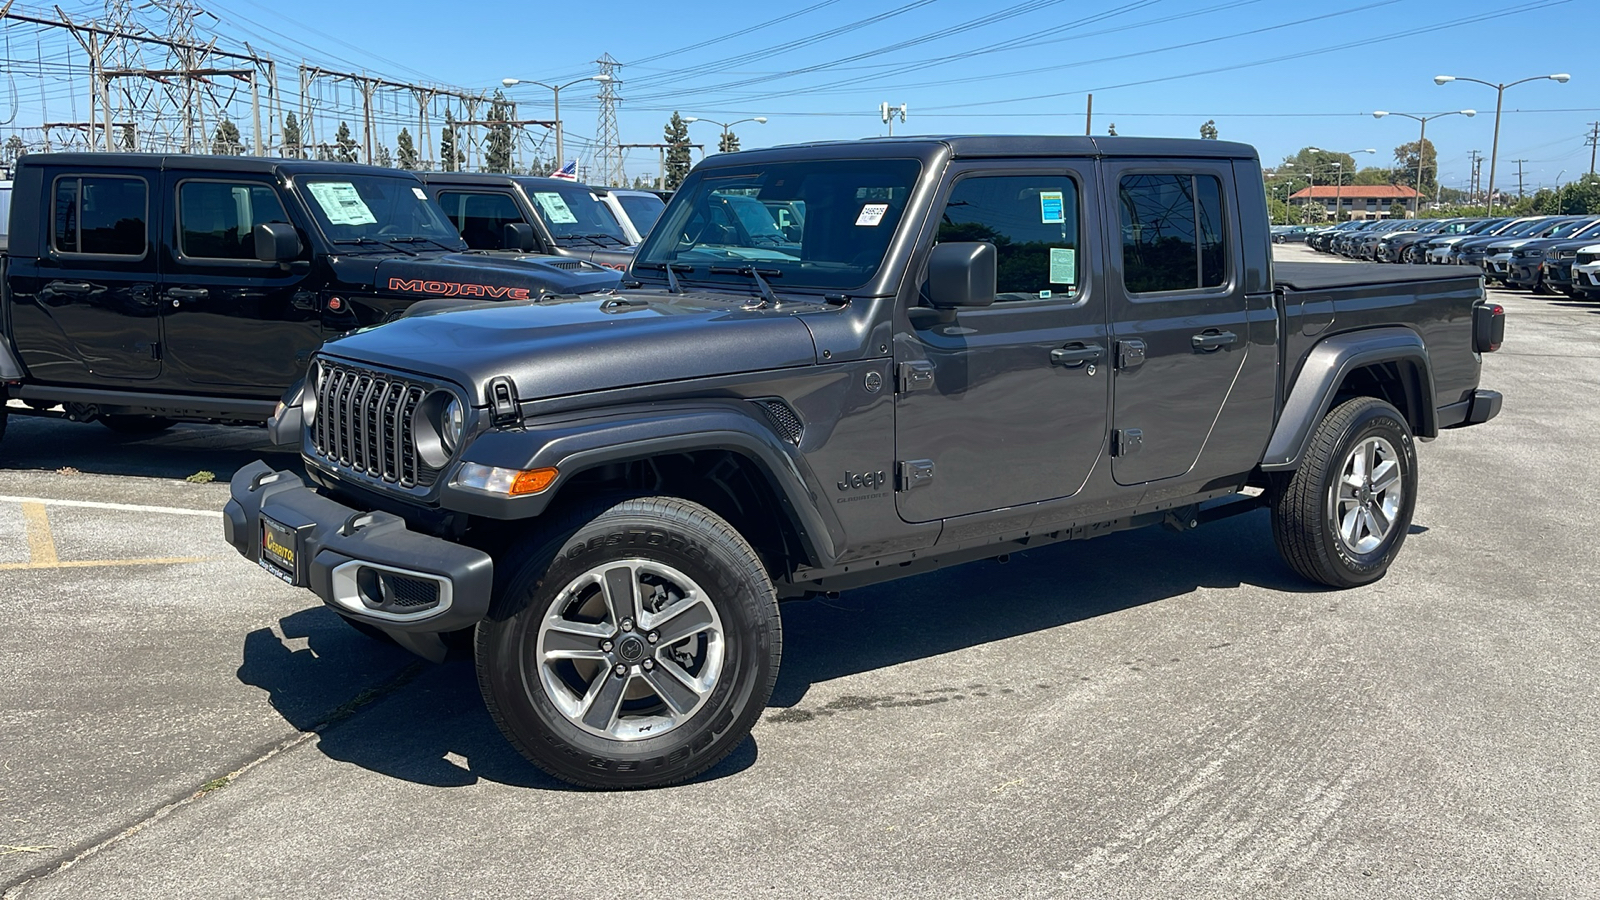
[[1172, 233], [217, 220], [1032, 221], [481, 218], [100, 215]]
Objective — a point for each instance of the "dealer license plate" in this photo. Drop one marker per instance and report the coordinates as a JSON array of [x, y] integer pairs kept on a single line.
[[280, 550]]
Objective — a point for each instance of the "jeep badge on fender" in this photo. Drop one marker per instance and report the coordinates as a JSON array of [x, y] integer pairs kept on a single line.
[[863, 480]]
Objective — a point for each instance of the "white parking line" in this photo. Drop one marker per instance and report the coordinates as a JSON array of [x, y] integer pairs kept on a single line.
[[129, 507]]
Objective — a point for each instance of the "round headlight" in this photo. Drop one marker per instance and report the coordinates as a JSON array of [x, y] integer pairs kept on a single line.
[[454, 424], [308, 394]]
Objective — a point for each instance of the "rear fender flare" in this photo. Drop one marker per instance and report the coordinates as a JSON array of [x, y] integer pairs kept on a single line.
[[1327, 366], [578, 443]]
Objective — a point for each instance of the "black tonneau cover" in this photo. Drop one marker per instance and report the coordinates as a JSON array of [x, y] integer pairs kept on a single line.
[[1317, 276]]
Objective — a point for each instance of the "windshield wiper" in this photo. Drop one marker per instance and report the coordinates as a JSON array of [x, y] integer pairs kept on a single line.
[[670, 269], [422, 240], [375, 241], [753, 272]]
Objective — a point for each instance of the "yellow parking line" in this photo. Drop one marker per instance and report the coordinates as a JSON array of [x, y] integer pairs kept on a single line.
[[42, 548], [41, 545]]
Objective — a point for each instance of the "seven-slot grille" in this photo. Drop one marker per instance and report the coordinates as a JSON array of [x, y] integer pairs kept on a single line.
[[363, 424]]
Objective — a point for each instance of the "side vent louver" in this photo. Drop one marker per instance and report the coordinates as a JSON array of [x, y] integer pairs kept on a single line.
[[784, 419]]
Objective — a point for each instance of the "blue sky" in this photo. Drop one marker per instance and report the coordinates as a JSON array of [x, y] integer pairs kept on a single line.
[[1277, 75]]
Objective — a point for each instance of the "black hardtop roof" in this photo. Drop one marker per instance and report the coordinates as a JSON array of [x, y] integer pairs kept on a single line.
[[999, 146], [207, 163], [534, 182]]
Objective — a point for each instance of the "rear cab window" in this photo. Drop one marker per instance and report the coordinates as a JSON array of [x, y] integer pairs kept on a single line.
[[1172, 233], [100, 215]]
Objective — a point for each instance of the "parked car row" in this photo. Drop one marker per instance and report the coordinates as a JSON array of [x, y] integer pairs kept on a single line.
[[1545, 254]]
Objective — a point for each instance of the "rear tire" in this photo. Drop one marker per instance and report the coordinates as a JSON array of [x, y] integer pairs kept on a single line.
[[136, 424], [1342, 517], [659, 589]]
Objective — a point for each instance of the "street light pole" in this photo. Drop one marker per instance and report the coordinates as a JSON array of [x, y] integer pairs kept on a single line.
[[1499, 102], [727, 127], [555, 90], [1422, 140]]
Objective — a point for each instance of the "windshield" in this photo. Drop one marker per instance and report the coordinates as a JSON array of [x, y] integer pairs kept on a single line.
[[1572, 228], [576, 216], [377, 208], [724, 219], [643, 210]]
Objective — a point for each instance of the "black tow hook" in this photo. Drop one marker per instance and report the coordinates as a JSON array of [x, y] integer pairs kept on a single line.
[[355, 523]]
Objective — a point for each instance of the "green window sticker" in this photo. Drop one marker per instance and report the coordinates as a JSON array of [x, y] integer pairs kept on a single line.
[[341, 203], [555, 208], [1063, 265]]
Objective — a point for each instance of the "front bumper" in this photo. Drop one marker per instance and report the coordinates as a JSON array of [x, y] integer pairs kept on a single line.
[[365, 565], [1587, 277]]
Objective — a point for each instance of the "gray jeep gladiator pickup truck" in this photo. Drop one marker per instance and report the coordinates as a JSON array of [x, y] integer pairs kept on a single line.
[[973, 346]]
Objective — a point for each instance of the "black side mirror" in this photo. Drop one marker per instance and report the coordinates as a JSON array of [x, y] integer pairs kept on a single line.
[[519, 236], [276, 242], [961, 274]]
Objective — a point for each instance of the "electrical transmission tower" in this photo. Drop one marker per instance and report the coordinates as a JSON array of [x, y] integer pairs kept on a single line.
[[610, 141]]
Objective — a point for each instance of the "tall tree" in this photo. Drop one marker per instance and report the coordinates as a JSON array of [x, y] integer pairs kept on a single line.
[[729, 143], [1208, 131], [1405, 158], [226, 141], [450, 157], [1322, 163], [292, 141], [15, 149], [382, 157], [346, 144], [497, 152], [1372, 175], [406, 151], [676, 137]]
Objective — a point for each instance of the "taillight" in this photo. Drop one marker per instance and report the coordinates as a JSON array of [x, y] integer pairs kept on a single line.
[[1488, 327]]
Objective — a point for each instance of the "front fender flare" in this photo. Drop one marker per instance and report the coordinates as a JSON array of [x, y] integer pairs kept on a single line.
[[1325, 369], [576, 443]]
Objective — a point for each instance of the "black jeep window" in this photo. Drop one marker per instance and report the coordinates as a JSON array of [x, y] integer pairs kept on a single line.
[[217, 220], [101, 215], [1032, 221], [481, 218], [1172, 233]]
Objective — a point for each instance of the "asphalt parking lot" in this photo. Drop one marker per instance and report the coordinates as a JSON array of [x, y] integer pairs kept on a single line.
[[1149, 714]]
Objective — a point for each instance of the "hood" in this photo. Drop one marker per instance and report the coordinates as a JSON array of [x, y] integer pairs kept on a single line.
[[491, 275], [587, 344]]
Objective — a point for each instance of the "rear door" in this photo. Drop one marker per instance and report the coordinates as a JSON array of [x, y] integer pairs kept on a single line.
[[97, 281], [1178, 311], [987, 413], [228, 319]]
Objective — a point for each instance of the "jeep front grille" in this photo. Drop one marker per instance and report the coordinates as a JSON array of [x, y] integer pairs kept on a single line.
[[363, 424]]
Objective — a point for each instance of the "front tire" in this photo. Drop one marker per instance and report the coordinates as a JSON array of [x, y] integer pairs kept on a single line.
[[635, 646], [1342, 517]]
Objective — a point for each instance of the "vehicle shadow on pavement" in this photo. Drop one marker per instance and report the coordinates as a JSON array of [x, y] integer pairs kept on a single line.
[[178, 452], [978, 603], [378, 707]]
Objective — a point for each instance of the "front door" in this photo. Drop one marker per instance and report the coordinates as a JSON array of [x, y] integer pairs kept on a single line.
[[230, 320], [988, 413], [96, 284], [1178, 312]]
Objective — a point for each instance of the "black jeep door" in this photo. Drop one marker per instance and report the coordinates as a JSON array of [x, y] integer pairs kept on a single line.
[[1178, 311], [987, 413], [228, 319], [95, 283]]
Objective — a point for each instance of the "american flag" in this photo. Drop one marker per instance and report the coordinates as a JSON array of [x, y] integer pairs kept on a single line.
[[568, 171]]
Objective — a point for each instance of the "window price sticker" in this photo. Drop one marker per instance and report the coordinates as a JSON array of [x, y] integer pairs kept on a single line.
[[1052, 208]]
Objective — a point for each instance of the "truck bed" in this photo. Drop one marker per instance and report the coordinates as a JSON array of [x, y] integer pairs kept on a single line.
[[1317, 276]]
